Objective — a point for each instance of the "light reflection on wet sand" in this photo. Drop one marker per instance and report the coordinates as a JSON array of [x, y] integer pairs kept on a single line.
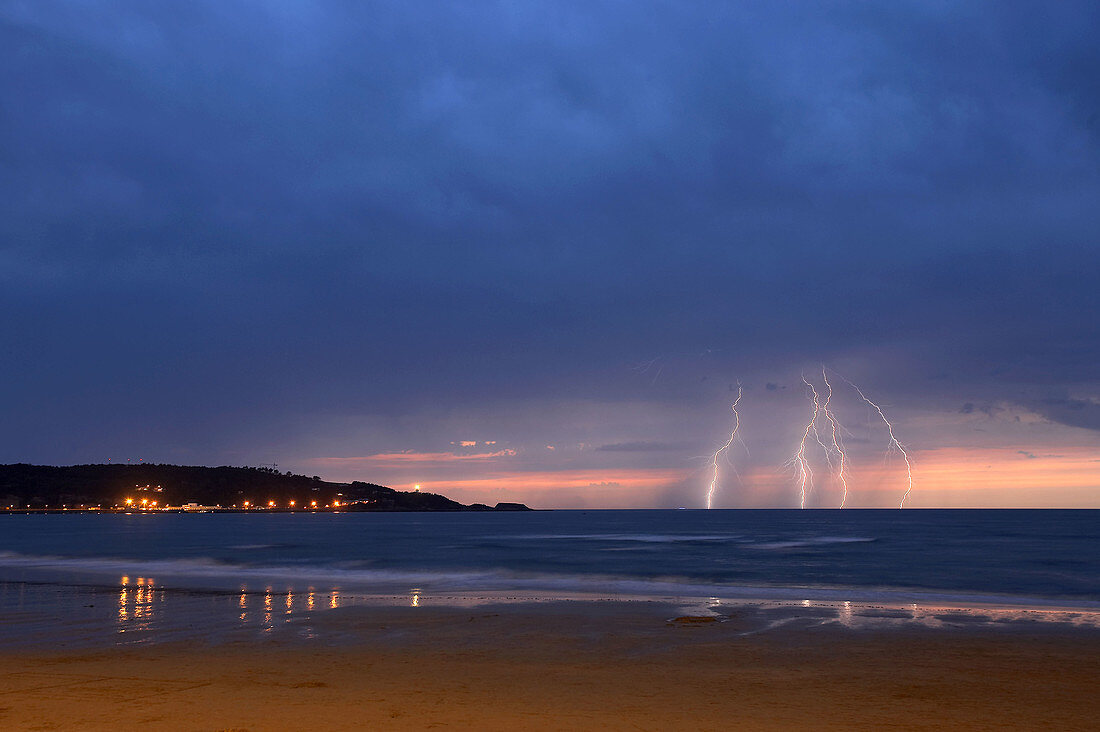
[[137, 603], [139, 609], [267, 626], [769, 615]]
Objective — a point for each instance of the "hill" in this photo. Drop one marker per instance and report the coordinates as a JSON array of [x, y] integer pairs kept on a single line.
[[24, 486]]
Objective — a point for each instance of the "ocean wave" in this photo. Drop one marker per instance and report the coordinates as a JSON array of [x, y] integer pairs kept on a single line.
[[643, 538], [209, 574], [261, 547], [689, 538], [812, 541], [178, 572]]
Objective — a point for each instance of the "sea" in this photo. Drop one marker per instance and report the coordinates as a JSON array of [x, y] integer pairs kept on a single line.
[[154, 576]]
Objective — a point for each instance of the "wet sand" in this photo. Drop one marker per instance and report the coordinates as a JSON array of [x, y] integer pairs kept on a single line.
[[570, 666]]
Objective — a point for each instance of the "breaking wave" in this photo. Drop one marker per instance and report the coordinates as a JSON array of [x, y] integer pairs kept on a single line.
[[212, 575]]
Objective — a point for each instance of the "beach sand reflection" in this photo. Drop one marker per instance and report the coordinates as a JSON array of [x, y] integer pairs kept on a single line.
[[261, 609], [143, 609], [137, 602]]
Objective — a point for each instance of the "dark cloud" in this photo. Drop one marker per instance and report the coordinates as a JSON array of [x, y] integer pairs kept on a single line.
[[216, 218], [1068, 411]]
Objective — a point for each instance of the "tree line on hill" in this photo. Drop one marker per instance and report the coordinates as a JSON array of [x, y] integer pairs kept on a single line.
[[24, 486]]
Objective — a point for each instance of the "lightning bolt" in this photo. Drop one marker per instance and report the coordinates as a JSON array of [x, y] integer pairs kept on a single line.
[[799, 461], [894, 444], [838, 442], [725, 447]]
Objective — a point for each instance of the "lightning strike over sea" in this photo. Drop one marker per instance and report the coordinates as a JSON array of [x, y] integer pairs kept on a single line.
[[894, 444], [838, 440], [839, 467], [725, 447], [800, 461]]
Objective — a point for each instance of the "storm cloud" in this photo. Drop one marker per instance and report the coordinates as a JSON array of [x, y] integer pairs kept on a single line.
[[228, 228]]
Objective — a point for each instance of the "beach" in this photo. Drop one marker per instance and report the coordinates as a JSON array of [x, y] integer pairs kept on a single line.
[[575, 665], [551, 620]]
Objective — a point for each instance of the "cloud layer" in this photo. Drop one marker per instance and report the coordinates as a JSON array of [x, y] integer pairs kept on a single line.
[[255, 231]]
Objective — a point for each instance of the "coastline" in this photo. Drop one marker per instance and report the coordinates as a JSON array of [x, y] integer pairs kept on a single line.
[[578, 665], [545, 620], [74, 614]]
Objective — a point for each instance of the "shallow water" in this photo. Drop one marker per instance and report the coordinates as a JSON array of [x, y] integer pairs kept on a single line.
[[1052, 555], [256, 572]]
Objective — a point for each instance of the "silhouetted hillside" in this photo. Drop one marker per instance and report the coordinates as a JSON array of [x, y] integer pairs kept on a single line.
[[76, 486]]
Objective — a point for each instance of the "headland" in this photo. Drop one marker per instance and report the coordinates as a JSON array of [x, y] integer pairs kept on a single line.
[[184, 488]]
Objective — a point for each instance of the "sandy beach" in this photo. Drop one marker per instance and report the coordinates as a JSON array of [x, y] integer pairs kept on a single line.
[[570, 666]]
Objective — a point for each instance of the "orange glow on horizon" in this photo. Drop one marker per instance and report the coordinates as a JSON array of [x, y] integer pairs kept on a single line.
[[403, 458], [1012, 475], [964, 469], [600, 478]]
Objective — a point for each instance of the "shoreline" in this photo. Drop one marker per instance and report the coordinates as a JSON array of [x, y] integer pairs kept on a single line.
[[202, 575], [611, 665], [34, 616], [552, 621]]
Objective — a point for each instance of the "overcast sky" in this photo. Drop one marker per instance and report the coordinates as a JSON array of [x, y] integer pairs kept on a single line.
[[349, 237]]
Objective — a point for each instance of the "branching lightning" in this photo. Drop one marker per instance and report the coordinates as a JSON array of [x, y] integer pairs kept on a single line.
[[838, 440], [829, 437], [894, 444], [725, 447], [801, 464], [804, 473]]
